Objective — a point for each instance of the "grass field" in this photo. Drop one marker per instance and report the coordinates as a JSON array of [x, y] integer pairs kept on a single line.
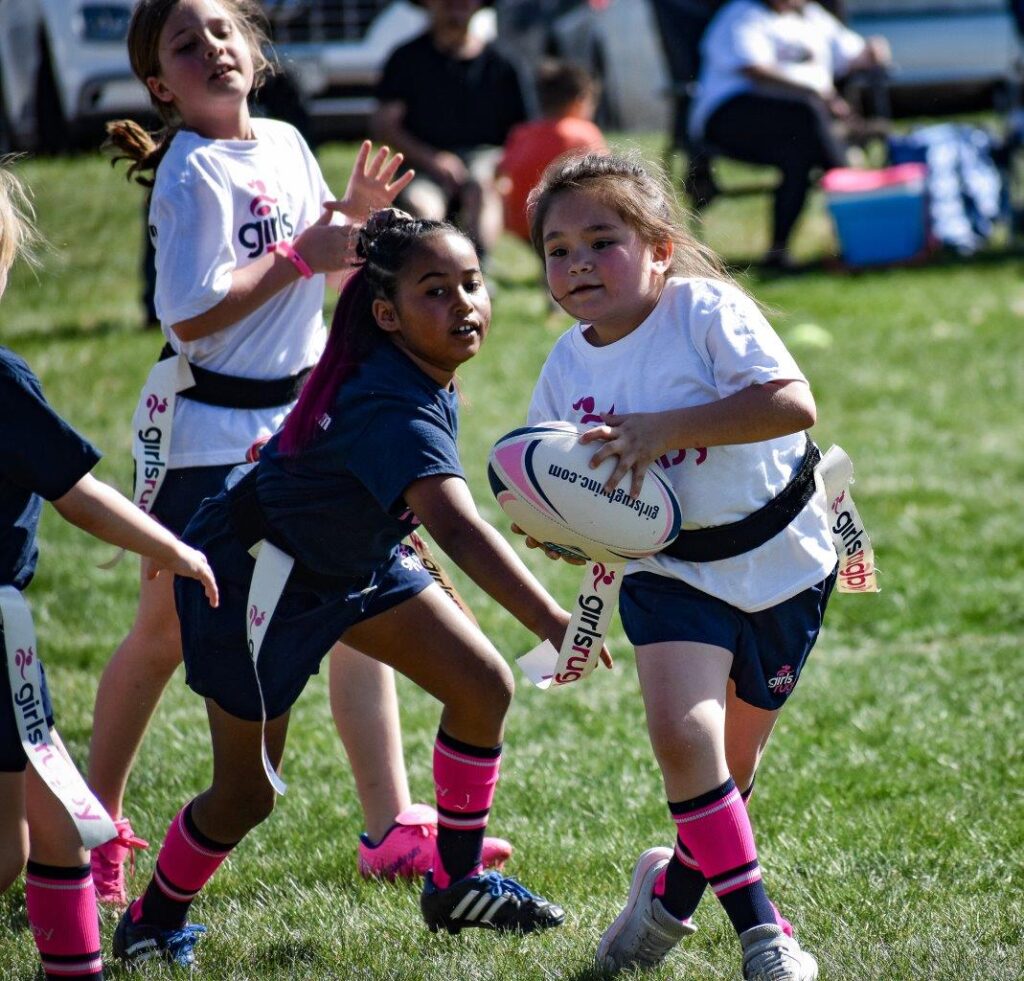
[[889, 811]]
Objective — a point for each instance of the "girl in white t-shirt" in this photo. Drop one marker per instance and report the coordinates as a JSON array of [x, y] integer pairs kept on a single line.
[[670, 361], [246, 240]]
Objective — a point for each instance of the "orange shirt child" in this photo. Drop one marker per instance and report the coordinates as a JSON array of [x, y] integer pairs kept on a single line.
[[530, 147], [567, 95]]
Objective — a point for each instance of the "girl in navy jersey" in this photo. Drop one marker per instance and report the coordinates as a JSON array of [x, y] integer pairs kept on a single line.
[[45, 459], [241, 221], [368, 452], [671, 362]]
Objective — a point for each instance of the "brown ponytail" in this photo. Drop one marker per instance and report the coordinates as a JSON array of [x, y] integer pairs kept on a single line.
[[143, 149]]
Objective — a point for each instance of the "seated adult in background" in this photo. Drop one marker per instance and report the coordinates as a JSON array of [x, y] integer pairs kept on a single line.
[[567, 96], [767, 95], [447, 100]]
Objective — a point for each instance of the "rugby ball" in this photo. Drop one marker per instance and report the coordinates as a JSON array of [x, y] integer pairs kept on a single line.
[[542, 479]]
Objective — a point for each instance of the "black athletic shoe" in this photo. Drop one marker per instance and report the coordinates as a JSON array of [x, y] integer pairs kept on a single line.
[[138, 942], [492, 901]]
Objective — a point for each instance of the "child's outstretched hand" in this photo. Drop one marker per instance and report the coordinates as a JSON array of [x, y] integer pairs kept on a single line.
[[187, 562], [371, 185], [635, 439], [549, 552]]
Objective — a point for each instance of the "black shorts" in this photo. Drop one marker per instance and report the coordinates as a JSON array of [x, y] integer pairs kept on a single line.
[[183, 490], [769, 647], [306, 624]]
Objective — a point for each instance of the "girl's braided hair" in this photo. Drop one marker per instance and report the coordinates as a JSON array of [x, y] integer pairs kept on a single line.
[[385, 243]]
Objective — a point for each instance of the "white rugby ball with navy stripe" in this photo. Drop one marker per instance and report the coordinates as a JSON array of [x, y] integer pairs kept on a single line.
[[542, 479]]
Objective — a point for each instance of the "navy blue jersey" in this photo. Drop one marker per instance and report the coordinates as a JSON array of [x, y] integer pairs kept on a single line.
[[41, 456], [338, 507]]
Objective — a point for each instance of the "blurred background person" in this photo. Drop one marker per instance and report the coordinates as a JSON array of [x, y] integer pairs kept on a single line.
[[767, 95], [568, 97], [447, 101]]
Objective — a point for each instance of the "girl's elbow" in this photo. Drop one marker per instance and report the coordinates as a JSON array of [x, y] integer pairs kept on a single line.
[[185, 331]]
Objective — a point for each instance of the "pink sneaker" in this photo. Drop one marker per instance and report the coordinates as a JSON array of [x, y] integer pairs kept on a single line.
[[409, 849], [108, 863]]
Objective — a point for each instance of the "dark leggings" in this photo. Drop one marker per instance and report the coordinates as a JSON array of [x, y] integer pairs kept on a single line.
[[791, 132]]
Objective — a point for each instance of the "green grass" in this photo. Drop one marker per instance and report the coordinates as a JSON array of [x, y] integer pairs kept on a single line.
[[889, 808]]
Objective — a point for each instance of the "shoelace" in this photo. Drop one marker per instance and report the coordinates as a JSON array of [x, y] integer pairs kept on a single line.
[[497, 884], [127, 838], [180, 943], [777, 969], [654, 943]]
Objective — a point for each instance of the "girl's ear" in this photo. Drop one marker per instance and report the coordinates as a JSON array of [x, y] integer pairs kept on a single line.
[[661, 256], [159, 91], [385, 314]]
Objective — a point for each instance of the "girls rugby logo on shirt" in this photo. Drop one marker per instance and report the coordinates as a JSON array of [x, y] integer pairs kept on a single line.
[[588, 404], [270, 226]]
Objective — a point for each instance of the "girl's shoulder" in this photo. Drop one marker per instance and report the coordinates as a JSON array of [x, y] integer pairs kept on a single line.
[[277, 130], [706, 293], [191, 156], [699, 306]]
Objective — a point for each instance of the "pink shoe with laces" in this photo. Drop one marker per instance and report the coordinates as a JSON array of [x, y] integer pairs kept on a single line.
[[108, 863], [409, 849]]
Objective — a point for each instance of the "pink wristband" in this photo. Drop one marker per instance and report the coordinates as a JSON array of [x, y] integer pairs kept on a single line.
[[288, 251]]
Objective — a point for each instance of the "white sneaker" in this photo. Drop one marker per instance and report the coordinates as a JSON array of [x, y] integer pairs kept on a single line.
[[769, 955], [644, 932]]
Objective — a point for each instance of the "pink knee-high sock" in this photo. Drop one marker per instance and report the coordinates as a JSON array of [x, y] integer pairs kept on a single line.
[[715, 830], [186, 862], [61, 905], [784, 924], [681, 885], [719, 837], [464, 780]]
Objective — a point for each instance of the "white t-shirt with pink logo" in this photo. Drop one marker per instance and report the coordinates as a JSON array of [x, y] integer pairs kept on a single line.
[[218, 205], [704, 341]]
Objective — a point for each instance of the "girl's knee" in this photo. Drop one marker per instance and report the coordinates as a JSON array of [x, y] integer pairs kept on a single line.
[[256, 804], [229, 813], [478, 705], [500, 684], [685, 745]]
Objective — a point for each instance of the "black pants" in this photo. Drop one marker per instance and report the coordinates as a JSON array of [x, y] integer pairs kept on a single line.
[[791, 132]]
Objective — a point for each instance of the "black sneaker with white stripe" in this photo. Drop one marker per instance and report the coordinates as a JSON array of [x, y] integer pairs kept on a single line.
[[492, 902]]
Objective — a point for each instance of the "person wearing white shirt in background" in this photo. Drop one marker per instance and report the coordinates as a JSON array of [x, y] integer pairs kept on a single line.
[[767, 95]]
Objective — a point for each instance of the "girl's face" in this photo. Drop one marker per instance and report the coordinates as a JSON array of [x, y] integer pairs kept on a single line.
[[206, 69], [598, 268], [441, 311]]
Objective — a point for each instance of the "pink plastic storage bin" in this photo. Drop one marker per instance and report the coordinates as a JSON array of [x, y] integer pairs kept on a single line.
[[881, 216]]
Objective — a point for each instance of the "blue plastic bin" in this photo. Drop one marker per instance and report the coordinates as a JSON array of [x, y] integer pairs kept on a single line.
[[881, 216]]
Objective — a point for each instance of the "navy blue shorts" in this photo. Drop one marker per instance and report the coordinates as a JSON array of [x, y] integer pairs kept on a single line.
[[183, 490], [769, 647], [12, 756], [306, 624]]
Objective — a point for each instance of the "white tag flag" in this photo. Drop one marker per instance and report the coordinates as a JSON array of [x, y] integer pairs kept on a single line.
[[92, 822], [584, 637], [833, 476], [152, 424], [268, 581]]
